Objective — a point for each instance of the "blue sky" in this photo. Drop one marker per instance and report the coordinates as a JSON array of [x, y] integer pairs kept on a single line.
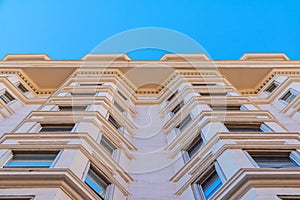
[[66, 29]]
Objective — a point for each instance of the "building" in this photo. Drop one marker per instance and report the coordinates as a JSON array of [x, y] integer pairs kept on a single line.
[[184, 127]]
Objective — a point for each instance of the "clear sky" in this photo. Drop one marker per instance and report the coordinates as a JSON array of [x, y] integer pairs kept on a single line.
[[69, 29]]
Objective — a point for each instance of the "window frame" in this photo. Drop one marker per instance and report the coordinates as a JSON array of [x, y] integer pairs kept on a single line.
[[114, 122], [195, 145], [22, 88], [199, 191], [184, 123], [293, 156], [274, 83], [100, 176], [263, 128], [286, 99], [54, 125], [105, 141], [71, 106], [30, 152], [7, 98]]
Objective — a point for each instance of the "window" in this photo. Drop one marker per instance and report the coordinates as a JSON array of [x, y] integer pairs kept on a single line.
[[195, 146], [114, 122], [289, 197], [32, 159], [90, 84], [6, 97], [57, 127], [213, 93], [275, 160], [22, 88], [122, 95], [204, 84], [119, 107], [183, 124], [23, 197], [177, 108], [172, 96], [83, 94], [248, 127], [289, 96], [272, 87], [225, 107], [210, 185], [97, 182], [108, 146], [71, 108]]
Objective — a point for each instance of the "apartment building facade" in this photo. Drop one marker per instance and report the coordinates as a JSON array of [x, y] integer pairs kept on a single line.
[[183, 127]]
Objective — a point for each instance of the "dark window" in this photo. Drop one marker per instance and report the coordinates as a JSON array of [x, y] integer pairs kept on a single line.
[[122, 95], [119, 107], [183, 124], [72, 108], [211, 184], [244, 127], [172, 96], [25, 197], [272, 87], [32, 159], [97, 182], [204, 84], [6, 97], [289, 96], [90, 84], [108, 146], [225, 107], [177, 108], [195, 146], [289, 197], [274, 160], [213, 93], [114, 122], [22, 88], [82, 94], [57, 127]]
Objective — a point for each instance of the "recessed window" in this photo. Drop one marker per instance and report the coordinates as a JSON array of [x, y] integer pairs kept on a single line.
[[90, 84], [14, 197], [213, 93], [272, 87], [114, 122], [6, 97], [204, 84], [184, 123], [225, 107], [119, 107], [83, 94], [97, 182], [274, 160], [122, 95], [289, 197], [210, 185], [172, 96], [57, 127], [255, 127], [177, 108], [71, 108], [108, 145], [32, 159], [22, 88], [195, 146], [289, 96]]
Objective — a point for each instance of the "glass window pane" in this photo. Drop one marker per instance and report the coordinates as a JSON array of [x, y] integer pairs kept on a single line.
[[96, 183], [211, 185], [44, 159]]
